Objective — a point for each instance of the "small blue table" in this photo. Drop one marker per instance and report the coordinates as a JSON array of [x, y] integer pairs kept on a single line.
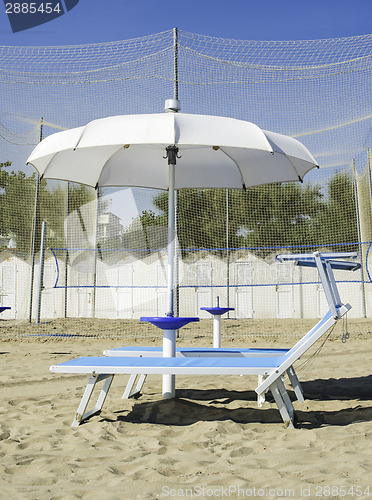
[[169, 325], [168, 322], [4, 308], [217, 312]]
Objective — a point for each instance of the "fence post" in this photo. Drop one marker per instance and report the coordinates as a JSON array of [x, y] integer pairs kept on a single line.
[[33, 249], [66, 250], [34, 229], [359, 205], [41, 273]]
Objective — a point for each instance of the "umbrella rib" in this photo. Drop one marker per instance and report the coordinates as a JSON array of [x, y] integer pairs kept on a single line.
[[80, 137], [294, 168], [42, 174], [104, 165], [237, 166]]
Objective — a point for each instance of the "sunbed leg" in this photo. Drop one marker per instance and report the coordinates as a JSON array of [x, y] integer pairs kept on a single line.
[[284, 403], [129, 393], [141, 381], [295, 384], [80, 414], [129, 387], [261, 398]]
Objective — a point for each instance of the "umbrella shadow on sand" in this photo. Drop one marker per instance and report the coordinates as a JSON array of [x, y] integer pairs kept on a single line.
[[183, 411], [195, 405]]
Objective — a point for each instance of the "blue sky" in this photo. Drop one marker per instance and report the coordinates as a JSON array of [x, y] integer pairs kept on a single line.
[[93, 21]]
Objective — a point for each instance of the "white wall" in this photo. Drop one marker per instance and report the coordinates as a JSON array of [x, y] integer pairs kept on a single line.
[[134, 288]]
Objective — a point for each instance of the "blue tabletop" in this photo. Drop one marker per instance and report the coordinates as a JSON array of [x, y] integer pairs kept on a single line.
[[168, 322], [3, 308], [218, 311]]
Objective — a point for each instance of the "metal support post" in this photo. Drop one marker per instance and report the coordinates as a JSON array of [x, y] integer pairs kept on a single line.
[[361, 251], [41, 273], [34, 229], [66, 244]]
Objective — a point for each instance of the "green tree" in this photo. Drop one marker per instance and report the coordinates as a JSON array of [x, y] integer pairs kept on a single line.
[[17, 206], [263, 216], [337, 222], [201, 218], [145, 234], [80, 195], [278, 215], [17, 194]]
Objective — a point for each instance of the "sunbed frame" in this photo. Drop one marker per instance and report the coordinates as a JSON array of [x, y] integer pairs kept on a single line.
[[324, 262], [136, 381], [270, 368]]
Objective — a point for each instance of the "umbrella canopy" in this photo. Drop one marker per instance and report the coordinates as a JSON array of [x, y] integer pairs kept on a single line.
[[213, 152]]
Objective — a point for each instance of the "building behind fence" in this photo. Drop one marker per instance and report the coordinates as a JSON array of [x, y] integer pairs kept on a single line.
[[132, 288]]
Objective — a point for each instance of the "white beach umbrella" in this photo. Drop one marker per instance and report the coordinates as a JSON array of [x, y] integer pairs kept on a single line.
[[202, 151], [217, 152]]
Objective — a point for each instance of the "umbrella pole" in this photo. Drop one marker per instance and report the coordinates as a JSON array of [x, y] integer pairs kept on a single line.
[[171, 202], [169, 336]]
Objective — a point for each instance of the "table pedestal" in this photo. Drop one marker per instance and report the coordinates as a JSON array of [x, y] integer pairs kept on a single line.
[[217, 312], [216, 330], [169, 325], [169, 351]]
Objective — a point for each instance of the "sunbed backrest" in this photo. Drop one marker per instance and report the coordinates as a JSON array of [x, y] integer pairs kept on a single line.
[[311, 333], [304, 344]]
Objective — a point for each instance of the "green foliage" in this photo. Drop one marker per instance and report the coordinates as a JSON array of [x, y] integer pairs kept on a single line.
[[262, 217], [278, 215], [17, 196], [147, 218], [80, 195], [17, 207], [337, 222]]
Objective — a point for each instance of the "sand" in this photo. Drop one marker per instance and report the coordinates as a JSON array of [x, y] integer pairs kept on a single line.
[[212, 441]]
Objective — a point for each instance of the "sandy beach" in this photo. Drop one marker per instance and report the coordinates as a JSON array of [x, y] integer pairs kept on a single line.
[[212, 441]]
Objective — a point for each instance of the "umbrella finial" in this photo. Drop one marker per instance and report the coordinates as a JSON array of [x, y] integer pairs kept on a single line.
[[172, 106]]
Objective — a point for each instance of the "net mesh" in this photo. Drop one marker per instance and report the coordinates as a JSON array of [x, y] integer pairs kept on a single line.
[[106, 249]]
